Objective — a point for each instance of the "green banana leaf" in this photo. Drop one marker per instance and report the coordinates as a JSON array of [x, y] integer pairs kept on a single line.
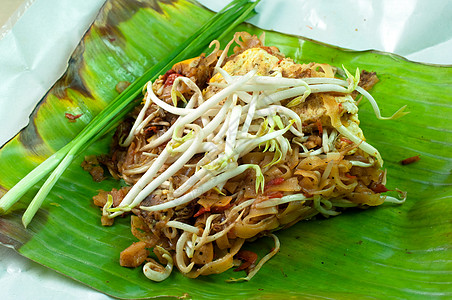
[[391, 251]]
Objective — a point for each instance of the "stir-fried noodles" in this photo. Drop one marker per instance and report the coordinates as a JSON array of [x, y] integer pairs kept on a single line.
[[230, 148]]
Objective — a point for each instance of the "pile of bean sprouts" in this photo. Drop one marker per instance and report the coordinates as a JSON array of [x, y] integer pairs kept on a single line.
[[249, 113]]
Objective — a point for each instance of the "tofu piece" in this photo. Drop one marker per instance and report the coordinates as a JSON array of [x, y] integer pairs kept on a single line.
[[134, 255]]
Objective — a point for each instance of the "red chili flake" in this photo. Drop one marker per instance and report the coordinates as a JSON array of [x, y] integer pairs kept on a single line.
[[319, 126], [201, 211], [410, 160], [72, 117], [274, 181], [247, 257], [169, 72], [379, 188], [214, 209], [170, 79], [350, 175], [152, 129]]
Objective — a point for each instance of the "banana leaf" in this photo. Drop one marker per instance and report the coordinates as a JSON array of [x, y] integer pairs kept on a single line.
[[391, 251]]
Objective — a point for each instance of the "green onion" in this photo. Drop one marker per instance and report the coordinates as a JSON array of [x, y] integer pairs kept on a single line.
[[224, 21]]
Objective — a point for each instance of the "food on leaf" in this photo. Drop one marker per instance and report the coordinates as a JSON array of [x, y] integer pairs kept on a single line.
[[235, 145]]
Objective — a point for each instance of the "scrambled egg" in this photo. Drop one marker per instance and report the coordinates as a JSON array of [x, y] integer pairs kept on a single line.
[[266, 63], [351, 121], [270, 65]]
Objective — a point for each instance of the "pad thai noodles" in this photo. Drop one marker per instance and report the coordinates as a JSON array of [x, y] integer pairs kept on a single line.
[[225, 149]]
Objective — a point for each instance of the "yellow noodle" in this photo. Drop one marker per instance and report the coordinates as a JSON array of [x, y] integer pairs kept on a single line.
[[219, 265]]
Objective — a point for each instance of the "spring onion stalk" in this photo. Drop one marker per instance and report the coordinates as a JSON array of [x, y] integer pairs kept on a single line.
[[17, 191], [222, 22], [32, 178], [55, 175], [64, 164]]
